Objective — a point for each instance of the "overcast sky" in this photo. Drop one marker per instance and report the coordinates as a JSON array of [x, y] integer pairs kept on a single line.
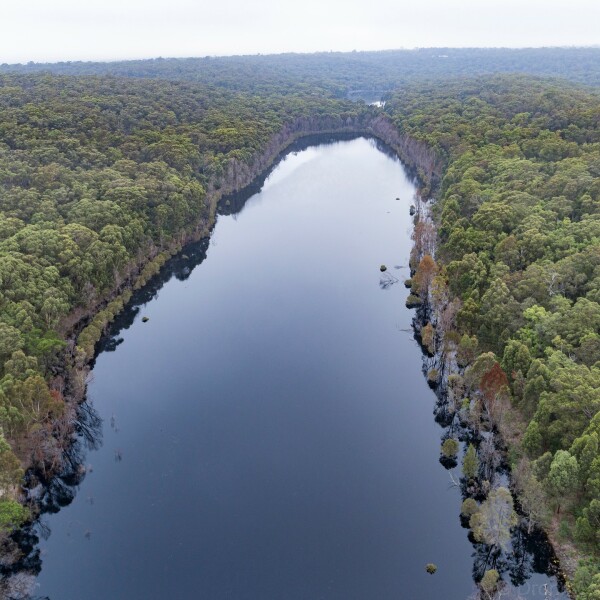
[[52, 30]]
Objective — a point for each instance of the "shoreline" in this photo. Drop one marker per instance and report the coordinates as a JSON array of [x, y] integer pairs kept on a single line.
[[83, 328], [428, 175], [379, 128], [445, 367]]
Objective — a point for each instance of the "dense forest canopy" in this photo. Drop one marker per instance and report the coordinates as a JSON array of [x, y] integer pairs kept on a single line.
[[518, 218], [107, 168], [100, 177]]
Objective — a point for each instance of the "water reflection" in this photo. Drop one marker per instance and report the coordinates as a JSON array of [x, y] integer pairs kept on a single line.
[[179, 266], [21, 560], [526, 566], [530, 554], [234, 203]]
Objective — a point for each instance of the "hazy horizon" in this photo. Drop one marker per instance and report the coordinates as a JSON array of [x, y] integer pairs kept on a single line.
[[66, 30], [306, 53]]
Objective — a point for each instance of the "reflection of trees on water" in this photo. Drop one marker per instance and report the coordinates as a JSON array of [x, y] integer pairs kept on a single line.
[[21, 561], [522, 566], [233, 203], [20, 558], [529, 552], [179, 266]]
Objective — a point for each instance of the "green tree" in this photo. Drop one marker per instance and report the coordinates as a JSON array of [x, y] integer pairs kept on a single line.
[[12, 515], [11, 340], [563, 477], [470, 466], [587, 528]]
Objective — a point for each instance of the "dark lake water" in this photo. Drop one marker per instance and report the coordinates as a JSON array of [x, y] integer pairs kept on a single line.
[[268, 433]]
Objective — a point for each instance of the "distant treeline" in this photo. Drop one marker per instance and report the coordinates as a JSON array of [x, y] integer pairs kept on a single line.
[[339, 73]]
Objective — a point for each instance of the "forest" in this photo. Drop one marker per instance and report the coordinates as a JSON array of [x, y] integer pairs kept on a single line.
[[102, 180], [515, 285], [107, 169]]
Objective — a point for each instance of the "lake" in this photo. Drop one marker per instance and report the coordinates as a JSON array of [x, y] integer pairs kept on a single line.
[[269, 433]]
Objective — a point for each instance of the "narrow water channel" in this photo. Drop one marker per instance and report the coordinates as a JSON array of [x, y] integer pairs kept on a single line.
[[268, 433]]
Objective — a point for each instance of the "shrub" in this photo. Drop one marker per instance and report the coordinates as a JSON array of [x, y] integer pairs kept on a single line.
[[469, 507], [450, 448], [432, 376], [489, 583], [413, 301]]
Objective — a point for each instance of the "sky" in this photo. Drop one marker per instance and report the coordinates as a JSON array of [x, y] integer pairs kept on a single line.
[[53, 30]]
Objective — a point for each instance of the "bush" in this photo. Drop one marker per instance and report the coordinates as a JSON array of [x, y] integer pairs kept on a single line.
[[489, 582], [413, 301], [432, 376], [450, 448], [469, 507]]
